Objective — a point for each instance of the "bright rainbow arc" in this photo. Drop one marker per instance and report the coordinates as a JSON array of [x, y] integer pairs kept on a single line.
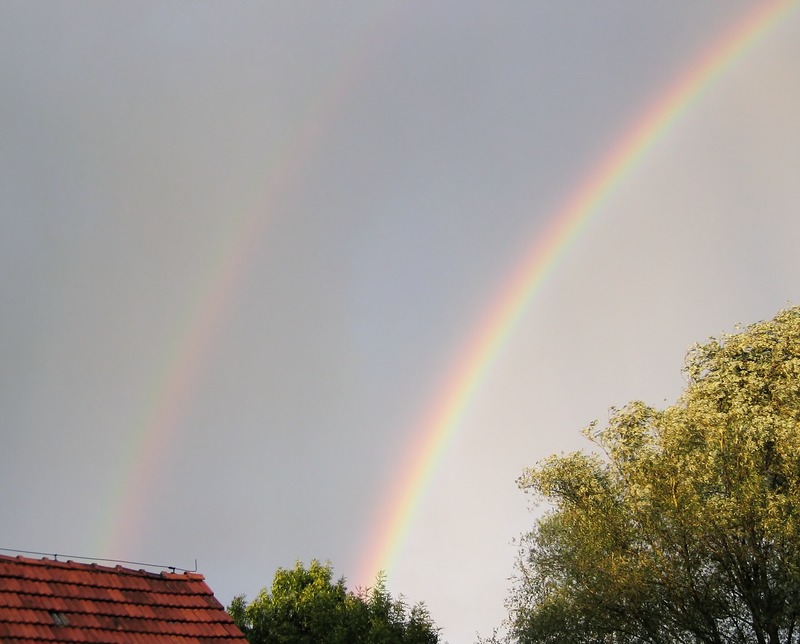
[[517, 294]]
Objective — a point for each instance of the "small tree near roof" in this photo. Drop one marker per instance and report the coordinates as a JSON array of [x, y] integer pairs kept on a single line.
[[305, 606]]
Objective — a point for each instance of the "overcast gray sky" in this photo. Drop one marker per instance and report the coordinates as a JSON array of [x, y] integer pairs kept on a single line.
[[243, 245]]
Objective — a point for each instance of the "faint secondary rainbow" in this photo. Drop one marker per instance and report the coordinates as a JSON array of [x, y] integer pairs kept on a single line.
[[151, 441], [517, 293]]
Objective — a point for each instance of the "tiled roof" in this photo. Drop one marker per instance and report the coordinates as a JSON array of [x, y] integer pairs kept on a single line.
[[43, 600]]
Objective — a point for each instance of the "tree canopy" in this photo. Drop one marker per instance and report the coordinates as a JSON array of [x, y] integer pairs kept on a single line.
[[306, 606], [683, 525]]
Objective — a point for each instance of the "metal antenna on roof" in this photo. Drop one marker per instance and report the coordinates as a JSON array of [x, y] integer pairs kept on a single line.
[[116, 561]]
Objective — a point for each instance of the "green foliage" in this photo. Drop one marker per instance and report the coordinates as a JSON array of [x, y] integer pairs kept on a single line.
[[687, 529], [305, 606]]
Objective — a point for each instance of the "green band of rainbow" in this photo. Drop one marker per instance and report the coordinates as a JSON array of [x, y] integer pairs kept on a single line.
[[448, 410]]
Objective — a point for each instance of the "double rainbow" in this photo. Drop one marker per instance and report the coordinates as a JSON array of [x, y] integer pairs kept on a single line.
[[183, 364]]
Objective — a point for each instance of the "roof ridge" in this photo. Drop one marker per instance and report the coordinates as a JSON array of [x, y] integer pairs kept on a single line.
[[48, 599], [95, 567]]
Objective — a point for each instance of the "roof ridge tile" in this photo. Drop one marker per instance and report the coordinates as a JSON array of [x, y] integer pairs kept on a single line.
[[66, 601]]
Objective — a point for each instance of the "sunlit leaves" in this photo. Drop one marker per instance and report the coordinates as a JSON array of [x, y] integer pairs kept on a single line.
[[685, 526]]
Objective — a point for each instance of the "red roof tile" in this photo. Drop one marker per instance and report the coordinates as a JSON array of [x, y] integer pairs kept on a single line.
[[43, 600]]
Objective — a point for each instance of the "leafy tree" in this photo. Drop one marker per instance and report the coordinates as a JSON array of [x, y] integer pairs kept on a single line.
[[305, 606], [686, 526]]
